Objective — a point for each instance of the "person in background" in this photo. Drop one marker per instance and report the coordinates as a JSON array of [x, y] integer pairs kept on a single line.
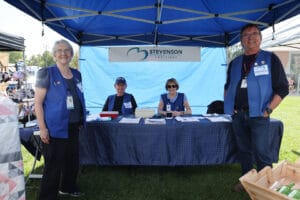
[[60, 111], [256, 84], [122, 102], [173, 102]]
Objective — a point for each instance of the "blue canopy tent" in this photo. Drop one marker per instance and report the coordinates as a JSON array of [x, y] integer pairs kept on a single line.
[[108, 23], [156, 22]]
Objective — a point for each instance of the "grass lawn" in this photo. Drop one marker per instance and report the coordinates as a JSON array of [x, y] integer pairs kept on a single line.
[[174, 183], [289, 113]]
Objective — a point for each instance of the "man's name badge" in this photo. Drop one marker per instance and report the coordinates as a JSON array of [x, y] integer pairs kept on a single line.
[[261, 70], [244, 83], [127, 105]]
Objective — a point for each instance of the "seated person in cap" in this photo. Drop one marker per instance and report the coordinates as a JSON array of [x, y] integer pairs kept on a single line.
[[173, 102], [122, 101]]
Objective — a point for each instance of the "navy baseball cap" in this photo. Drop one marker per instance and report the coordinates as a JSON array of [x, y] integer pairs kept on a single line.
[[120, 80]]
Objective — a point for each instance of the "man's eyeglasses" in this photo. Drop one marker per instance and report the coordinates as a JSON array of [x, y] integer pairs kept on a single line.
[[172, 86], [65, 51], [246, 35]]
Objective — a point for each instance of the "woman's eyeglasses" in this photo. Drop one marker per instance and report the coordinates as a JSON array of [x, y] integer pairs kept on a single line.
[[172, 86], [65, 51]]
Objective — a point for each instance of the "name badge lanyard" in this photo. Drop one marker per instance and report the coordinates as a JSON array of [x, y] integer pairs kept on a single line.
[[246, 70]]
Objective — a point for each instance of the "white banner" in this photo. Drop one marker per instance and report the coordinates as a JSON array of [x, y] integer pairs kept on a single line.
[[143, 54]]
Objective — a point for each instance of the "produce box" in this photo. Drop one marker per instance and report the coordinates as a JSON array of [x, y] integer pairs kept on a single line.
[[263, 185]]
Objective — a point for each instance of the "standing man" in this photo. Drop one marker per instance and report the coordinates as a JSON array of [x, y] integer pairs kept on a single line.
[[256, 84]]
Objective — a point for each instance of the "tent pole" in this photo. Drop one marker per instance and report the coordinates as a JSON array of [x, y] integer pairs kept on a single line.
[[25, 72], [298, 85]]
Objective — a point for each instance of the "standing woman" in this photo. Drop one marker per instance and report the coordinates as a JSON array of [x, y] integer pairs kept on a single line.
[[176, 101], [60, 111]]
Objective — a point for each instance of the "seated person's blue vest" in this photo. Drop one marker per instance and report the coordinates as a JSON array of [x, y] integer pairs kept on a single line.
[[126, 110], [177, 105]]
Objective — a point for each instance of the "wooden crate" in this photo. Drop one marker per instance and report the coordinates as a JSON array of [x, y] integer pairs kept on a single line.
[[258, 184]]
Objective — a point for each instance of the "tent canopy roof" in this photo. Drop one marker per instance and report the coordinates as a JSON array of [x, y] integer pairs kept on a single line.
[[160, 22], [10, 42]]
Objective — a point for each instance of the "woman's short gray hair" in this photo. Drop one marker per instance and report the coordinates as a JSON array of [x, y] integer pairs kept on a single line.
[[62, 41]]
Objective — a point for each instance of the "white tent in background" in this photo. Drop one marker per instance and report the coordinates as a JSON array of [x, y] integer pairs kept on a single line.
[[286, 36], [285, 41], [9, 42]]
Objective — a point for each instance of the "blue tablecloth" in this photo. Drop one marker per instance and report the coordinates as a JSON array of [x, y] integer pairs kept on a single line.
[[176, 143], [27, 140], [26, 133]]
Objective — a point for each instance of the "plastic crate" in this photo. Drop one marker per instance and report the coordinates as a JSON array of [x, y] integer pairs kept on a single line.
[[260, 185]]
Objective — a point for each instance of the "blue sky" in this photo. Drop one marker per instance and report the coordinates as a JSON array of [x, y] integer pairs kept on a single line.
[[14, 21]]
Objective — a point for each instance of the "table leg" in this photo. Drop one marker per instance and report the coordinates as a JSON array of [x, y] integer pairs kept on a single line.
[[38, 148]]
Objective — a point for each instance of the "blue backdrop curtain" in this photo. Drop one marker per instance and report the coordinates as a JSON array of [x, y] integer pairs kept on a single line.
[[202, 82]]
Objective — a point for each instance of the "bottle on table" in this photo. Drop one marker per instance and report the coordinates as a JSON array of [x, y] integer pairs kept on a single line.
[[294, 194], [286, 189]]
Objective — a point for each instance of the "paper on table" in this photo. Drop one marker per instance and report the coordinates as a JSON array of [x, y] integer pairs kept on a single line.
[[219, 118], [155, 121], [188, 119], [92, 117], [96, 117], [126, 120], [210, 115], [30, 124]]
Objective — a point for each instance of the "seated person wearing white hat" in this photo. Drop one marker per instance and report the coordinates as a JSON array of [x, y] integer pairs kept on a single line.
[[122, 101]]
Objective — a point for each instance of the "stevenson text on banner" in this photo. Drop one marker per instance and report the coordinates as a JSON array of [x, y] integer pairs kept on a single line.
[[144, 54]]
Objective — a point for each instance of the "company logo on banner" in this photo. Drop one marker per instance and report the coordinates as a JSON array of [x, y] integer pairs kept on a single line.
[[143, 54]]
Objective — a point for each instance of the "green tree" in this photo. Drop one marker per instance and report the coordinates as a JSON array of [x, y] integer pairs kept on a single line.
[[234, 51], [15, 56], [74, 63], [34, 60], [46, 59]]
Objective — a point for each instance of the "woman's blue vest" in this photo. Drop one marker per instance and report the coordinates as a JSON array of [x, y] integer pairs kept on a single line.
[[55, 109], [126, 99], [178, 105], [259, 86]]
